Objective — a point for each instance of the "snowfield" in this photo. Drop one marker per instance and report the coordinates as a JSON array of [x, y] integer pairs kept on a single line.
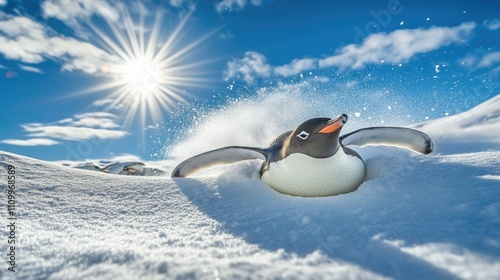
[[416, 217]]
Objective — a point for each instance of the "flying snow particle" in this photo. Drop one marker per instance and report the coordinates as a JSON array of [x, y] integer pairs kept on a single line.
[[401, 23], [357, 114], [436, 68]]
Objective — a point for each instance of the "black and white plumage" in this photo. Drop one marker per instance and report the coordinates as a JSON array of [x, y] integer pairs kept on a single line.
[[313, 159], [125, 168]]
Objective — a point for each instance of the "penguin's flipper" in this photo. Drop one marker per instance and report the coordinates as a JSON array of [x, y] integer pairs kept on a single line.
[[220, 156], [393, 136]]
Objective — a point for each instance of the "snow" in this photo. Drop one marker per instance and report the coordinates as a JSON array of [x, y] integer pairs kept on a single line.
[[416, 217], [479, 124]]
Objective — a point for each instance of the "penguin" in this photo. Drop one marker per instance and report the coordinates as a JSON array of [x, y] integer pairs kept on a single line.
[[313, 160], [125, 168], [87, 166]]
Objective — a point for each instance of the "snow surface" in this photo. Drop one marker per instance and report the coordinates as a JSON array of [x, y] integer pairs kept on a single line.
[[416, 217]]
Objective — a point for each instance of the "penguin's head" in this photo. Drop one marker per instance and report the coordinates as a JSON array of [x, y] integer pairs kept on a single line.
[[318, 138]]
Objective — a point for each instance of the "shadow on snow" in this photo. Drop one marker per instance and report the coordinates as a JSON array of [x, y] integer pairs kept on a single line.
[[422, 204]]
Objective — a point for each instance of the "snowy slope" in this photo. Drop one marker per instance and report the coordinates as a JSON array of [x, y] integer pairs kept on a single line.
[[418, 217], [480, 124]]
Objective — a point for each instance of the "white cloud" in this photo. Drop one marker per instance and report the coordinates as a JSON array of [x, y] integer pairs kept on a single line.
[[28, 41], [102, 102], [152, 127], [30, 142], [3, 2], [16, 30], [482, 61], [181, 3], [255, 65], [74, 12], [70, 11], [252, 65], [489, 59], [109, 104], [94, 122], [85, 126], [95, 115], [92, 119], [395, 47], [3, 67], [72, 132], [95, 119], [492, 24], [31, 69], [235, 5], [295, 67]]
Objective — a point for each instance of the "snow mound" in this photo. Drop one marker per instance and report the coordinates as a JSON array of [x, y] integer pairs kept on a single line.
[[480, 124], [417, 217]]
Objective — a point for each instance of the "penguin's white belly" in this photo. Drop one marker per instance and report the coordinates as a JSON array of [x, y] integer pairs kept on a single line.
[[302, 175]]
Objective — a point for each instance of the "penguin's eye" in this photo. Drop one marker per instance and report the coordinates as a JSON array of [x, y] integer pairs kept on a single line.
[[303, 135]]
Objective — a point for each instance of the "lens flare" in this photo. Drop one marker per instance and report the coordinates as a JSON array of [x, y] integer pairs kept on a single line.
[[146, 76]]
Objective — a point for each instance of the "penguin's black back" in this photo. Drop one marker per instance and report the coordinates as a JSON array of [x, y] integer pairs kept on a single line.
[[275, 147], [274, 151]]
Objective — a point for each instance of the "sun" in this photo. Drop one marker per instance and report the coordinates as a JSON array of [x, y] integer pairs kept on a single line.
[[148, 76], [142, 76]]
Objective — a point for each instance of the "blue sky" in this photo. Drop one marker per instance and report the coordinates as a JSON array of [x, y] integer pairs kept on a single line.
[[90, 79]]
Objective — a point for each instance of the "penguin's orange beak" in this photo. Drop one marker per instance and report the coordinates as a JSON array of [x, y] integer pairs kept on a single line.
[[334, 124]]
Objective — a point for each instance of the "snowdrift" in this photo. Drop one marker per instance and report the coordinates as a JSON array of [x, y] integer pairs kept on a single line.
[[416, 217]]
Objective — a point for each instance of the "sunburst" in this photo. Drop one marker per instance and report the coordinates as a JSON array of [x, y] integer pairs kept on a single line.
[[148, 76]]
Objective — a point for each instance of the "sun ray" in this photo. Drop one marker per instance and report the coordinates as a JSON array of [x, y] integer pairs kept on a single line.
[[178, 55], [153, 38], [132, 35], [163, 52], [148, 75]]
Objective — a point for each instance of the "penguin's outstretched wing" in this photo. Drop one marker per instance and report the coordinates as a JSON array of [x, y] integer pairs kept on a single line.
[[393, 136], [220, 156]]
